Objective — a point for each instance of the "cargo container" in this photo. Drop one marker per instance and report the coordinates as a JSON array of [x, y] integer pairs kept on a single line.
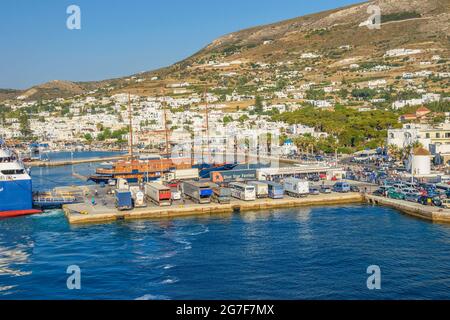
[[181, 175], [138, 197], [158, 194], [243, 191], [275, 190], [220, 194], [296, 187], [123, 200], [199, 192], [186, 174], [262, 189]]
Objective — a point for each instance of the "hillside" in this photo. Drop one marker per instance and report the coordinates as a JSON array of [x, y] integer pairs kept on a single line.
[[324, 41], [334, 36]]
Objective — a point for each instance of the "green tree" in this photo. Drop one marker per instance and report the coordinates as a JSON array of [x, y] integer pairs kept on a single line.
[[259, 105], [24, 122]]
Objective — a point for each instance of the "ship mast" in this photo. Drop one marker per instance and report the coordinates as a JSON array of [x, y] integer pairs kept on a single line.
[[130, 145], [207, 125], [166, 130]]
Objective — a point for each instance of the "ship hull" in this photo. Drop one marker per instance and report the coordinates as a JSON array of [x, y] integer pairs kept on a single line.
[[16, 195], [18, 213]]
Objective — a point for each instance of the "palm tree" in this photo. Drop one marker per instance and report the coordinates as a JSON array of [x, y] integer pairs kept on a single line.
[[394, 151], [410, 148]]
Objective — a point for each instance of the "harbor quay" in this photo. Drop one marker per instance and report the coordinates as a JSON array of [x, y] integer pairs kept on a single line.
[[104, 208], [85, 213], [72, 162], [429, 213]]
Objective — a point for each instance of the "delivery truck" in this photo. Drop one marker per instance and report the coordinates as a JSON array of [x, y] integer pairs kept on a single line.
[[181, 175], [138, 197], [242, 191], [296, 187], [276, 190], [199, 192], [262, 189], [158, 194], [220, 194], [122, 184], [123, 200]]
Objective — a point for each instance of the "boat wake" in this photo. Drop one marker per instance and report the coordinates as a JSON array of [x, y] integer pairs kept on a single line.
[[48, 214]]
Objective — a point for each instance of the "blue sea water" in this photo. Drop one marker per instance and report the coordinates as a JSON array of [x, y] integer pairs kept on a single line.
[[301, 253], [304, 253]]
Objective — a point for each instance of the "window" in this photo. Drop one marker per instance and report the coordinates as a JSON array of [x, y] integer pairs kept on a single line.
[[427, 135], [10, 172], [438, 135]]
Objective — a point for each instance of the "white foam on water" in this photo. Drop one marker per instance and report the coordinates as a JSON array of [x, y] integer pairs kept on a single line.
[[152, 297], [169, 254], [206, 230], [187, 244], [169, 281], [48, 214], [168, 266]]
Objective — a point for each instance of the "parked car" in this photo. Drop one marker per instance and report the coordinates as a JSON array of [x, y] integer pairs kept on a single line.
[[430, 201], [314, 191], [412, 197], [325, 189], [354, 189], [446, 203], [176, 194], [342, 187], [394, 194]]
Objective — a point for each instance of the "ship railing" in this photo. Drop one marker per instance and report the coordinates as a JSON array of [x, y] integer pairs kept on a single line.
[[54, 199]]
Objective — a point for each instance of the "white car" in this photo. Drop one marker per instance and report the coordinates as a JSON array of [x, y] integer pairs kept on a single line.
[[176, 195]]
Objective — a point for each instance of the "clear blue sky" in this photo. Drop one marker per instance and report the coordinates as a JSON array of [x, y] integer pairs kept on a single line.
[[122, 37]]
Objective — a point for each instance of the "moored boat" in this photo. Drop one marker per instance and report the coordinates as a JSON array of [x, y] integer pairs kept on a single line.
[[137, 170], [16, 194]]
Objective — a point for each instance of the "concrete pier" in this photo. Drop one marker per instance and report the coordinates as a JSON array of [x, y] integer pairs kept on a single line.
[[87, 213], [433, 214], [72, 162]]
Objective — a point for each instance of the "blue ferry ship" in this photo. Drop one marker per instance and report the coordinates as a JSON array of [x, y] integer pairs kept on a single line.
[[16, 194]]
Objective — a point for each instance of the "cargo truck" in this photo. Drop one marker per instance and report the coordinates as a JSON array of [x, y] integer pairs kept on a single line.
[[181, 175], [122, 184], [262, 189], [242, 191], [123, 200], [176, 194], [276, 190], [296, 187], [158, 194], [199, 192], [138, 197], [220, 194]]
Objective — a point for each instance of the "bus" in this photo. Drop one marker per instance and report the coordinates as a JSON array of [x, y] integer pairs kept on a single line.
[[242, 191]]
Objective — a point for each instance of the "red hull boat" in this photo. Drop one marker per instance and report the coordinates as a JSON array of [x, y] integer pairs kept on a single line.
[[18, 213]]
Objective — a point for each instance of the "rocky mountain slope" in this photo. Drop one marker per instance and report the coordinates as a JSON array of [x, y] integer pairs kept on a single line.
[[335, 36]]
